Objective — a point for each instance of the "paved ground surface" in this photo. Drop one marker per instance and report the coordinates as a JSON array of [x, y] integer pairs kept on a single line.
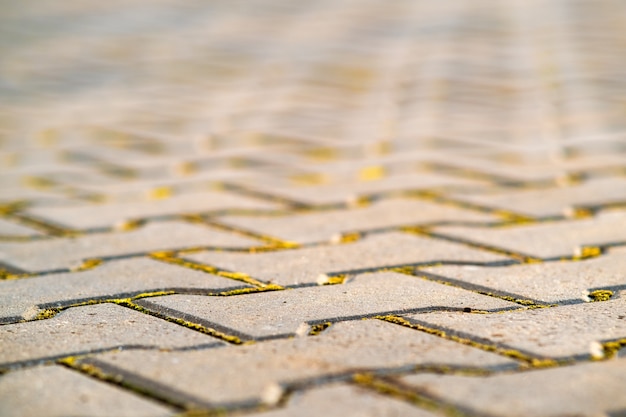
[[279, 208]]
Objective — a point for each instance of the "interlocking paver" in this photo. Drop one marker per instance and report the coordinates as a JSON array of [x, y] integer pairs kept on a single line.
[[62, 392], [25, 298], [70, 253], [325, 226], [554, 201], [591, 389], [347, 191], [303, 266], [548, 240], [565, 331], [345, 400], [88, 328], [551, 282], [86, 216], [252, 374], [283, 313]]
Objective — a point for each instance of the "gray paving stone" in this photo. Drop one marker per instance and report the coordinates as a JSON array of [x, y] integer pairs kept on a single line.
[[591, 389], [8, 228], [88, 328], [284, 312], [302, 266], [255, 373], [82, 216], [550, 282], [57, 253], [344, 400], [547, 240], [25, 297], [55, 391], [325, 226], [528, 164], [347, 191], [567, 331], [553, 201]]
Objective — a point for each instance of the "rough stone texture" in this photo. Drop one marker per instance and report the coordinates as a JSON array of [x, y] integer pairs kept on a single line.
[[283, 312], [593, 389], [59, 253], [91, 328], [302, 266], [548, 240], [25, 297], [73, 395], [565, 331], [345, 400], [328, 225], [252, 374]]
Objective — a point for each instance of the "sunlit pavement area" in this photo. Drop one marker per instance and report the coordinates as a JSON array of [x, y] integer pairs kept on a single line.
[[327, 208]]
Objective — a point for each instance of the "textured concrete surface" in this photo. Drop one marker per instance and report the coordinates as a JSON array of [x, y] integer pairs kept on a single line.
[[340, 208]]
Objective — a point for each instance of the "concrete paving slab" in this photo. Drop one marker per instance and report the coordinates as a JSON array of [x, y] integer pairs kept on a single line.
[[347, 191], [63, 392], [63, 253], [85, 216], [284, 313], [25, 298], [551, 282], [547, 240], [324, 226], [254, 374], [592, 389], [567, 331], [306, 265], [554, 201], [88, 328]]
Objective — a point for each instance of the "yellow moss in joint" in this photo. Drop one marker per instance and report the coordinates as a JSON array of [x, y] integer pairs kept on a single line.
[[579, 213], [206, 330], [7, 276], [359, 201], [587, 252], [417, 230], [88, 264], [386, 388], [319, 328], [313, 178], [601, 295], [513, 217], [160, 193], [128, 225], [12, 207], [510, 353], [241, 291], [372, 173], [349, 237], [337, 279], [38, 183], [47, 314], [321, 154], [611, 348]]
